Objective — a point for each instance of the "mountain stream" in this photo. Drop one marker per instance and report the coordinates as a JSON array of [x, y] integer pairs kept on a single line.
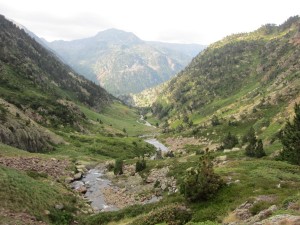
[[95, 181]]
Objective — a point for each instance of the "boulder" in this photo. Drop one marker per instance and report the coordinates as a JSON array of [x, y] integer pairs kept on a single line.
[[69, 180], [77, 176]]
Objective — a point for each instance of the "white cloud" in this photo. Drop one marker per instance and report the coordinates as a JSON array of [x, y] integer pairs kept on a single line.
[[165, 20]]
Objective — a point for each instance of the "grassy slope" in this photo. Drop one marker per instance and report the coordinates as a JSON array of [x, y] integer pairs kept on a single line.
[[106, 138], [20, 192], [102, 143], [250, 178]]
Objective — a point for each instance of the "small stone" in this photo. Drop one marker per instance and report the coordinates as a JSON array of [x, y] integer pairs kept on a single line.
[[84, 212], [82, 190], [163, 186], [69, 180], [46, 212], [77, 176], [59, 206]]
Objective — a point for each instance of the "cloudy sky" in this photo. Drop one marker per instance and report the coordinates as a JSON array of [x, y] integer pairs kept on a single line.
[[184, 21]]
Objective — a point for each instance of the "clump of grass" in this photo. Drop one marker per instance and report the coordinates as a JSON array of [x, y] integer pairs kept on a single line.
[[259, 206]]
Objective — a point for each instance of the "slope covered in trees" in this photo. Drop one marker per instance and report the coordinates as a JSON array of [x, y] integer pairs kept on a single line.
[[245, 79]]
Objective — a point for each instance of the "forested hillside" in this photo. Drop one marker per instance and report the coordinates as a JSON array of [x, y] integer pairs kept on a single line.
[[248, 79]]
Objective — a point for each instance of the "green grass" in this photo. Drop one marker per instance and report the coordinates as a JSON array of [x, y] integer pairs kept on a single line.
[[99, 147], [257, 177], [21, 193], [118, 117]]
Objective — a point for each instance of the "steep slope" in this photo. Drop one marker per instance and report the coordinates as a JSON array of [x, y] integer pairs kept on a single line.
[[246, 79], [37, 91], [174, 49], [121, 62], [146, 98]]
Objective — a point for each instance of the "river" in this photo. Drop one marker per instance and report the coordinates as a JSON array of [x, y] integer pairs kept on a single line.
[[94, 180], [158, 145]]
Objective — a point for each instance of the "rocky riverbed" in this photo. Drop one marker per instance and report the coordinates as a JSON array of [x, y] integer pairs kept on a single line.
[[108, 192]]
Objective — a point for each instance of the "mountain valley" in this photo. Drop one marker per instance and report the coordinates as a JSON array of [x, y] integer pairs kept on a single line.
[[210, 137]]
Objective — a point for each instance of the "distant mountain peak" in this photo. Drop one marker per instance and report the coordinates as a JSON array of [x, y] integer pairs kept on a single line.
[[123, 63], [118, 36]]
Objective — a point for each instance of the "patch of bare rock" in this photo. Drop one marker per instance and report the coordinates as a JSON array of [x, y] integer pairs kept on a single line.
[[53, 167]]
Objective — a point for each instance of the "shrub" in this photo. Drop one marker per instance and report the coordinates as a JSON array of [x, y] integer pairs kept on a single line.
[[215, 121], [290, 139], [174, 214], [110, 167], [255, 147], [201, 183], [60, 217], [230, 141], [259, 206], [118, 169], [140, 165]]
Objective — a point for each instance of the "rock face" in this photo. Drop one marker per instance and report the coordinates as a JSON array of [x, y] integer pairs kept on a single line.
[[22, 132], [19, 135], [284, 219]]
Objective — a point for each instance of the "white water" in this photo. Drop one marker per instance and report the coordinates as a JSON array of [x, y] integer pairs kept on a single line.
[[145, 122], [158, 145]]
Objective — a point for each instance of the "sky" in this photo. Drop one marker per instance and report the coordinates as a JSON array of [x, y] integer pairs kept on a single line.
[[181, 21]]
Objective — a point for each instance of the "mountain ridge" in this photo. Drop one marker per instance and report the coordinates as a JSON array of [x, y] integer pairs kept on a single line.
[[242, 72], [38, 91], [121, 62]]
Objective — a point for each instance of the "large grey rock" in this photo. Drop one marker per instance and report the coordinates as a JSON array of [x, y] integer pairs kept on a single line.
[[77, 176]]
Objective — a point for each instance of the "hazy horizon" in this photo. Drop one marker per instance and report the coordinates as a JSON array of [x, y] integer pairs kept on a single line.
[[189, 21]]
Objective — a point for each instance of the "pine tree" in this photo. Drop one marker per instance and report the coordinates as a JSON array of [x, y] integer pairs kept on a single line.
[[201, 183], [290, 139], [230, 141], [259, 149], [251, 138]]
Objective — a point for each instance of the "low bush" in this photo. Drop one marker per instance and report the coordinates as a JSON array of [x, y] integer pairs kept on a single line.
[[174, 214]]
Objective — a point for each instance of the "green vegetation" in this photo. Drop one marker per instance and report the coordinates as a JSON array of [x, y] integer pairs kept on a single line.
[[242, 87], [201, 183], [171, 214], [230, 141], [234, 84], [118, 117], [255, 147], [20, 192], [140, 165], [290, 138], [118, 168]]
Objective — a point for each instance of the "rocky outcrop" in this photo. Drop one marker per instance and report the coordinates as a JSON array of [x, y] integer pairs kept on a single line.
[[19, 135], [280, 220], [52, 167], [19, 131], [243, 216]]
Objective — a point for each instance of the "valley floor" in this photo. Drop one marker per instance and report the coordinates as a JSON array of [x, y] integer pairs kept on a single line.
[[35, 187]]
